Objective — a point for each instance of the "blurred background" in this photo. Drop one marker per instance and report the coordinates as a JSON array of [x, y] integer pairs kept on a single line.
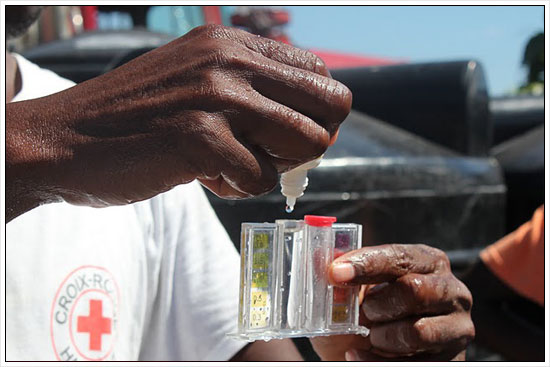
[[445, 143]]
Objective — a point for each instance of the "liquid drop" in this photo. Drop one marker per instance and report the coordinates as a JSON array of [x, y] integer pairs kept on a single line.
[[289, 209]]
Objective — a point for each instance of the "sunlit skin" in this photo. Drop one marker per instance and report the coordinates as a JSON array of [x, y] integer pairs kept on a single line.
[[218, 105]]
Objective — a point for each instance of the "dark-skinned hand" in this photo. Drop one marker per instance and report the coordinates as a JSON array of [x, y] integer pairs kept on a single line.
[[218, 104], [415, 308]]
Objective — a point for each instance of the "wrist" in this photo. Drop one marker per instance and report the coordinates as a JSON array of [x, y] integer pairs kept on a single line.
[[29, 159]]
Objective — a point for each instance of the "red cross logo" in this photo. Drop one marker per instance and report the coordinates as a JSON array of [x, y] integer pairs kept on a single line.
[[95, 324]]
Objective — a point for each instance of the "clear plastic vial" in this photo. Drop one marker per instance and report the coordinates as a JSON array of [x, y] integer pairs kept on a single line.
[[284, 286], [320, 244]]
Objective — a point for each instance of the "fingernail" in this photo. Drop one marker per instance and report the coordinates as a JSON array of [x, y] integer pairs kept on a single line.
[[352, 356], [342, 272], [378, 287]]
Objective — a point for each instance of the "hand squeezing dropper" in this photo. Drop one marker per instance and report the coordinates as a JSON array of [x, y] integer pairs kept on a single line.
[[294, 182]]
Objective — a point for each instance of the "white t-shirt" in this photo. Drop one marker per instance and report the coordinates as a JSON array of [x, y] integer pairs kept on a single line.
[[155, 280]]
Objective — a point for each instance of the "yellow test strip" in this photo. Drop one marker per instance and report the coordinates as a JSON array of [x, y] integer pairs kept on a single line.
[[259, 280], [260, 260], [261, 241], [259, 299], [339, 313], [258, 318]]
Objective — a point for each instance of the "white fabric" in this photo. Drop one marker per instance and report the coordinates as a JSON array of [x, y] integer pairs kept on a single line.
[[37, 82], [156, 280]]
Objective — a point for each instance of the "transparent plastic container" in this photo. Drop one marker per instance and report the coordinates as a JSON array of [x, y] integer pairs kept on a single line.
[[284, 287]]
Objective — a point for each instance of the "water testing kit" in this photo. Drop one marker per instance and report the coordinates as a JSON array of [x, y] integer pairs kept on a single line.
[[284, 289]]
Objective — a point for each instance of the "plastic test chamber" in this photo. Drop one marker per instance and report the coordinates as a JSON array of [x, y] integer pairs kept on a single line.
[[284, 287]]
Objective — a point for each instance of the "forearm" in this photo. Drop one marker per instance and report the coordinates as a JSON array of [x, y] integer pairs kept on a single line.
[[75, 146], [20, 200], [29, 157], [274, 350]]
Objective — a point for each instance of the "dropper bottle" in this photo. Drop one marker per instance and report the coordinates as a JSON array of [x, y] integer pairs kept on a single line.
[[294, 182]]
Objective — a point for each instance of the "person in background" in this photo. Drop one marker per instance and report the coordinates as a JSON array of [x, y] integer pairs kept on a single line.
[[509, 278], [151, 274]]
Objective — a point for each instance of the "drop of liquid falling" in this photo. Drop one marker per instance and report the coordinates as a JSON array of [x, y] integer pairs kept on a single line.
[[289, 209]]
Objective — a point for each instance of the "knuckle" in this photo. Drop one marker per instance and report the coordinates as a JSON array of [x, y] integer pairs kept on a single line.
[[209, 79], [216, 55], [224, 134], [443, 258], [342, 100], [347, 99], [212, 31], [430, 250], [210, 135], [317, 146], [215, 92], [422, 334], [211, 93], [315, 140], [197, 31], [466, 337], [315, 149], [413, 287], [264, 184], [338, 97], [225, 55], [315, 63], [267, 47], [319, 66], [402, 260], [439, 255], [470, 333], [464, 296], [239, 59]]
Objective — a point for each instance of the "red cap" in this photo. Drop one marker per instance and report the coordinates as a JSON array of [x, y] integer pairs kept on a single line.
[[319, 221]]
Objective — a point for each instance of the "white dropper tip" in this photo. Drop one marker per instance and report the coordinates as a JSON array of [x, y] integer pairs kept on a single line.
[[294, 182], [290, 202]]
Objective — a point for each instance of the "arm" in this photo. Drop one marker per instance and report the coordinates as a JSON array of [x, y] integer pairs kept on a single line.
[[507, 282], [274, 350], [495, 315], [218, 104]]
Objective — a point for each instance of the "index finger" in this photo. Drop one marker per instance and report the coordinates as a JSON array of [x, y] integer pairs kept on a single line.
[[287, 54], [376, 264], [277, 51]]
